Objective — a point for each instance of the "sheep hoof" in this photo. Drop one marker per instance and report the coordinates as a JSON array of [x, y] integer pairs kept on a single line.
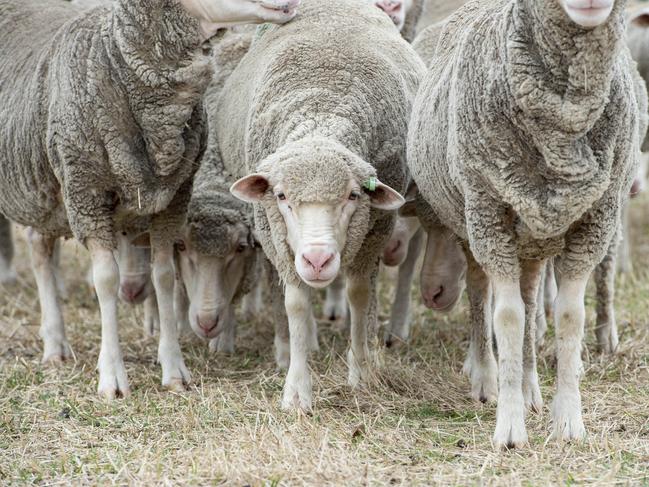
[[510, 430], [57, 354], [297, 394], [566, 418], [484, 380], [175, 376], [358, 370], [177, 385]]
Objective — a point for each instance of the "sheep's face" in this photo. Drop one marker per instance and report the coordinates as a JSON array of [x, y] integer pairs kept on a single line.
[[396, 250], [215, 14], [588, 13], [318, 196], [134, 263], [396, 9], [212, 280]]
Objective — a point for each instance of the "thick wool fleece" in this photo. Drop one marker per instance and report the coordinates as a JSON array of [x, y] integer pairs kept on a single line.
[[100, 115], [525, 132], [638, 40], [326, 96]]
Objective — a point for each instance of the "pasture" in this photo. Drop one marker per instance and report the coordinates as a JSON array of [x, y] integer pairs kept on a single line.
[[415, 423]]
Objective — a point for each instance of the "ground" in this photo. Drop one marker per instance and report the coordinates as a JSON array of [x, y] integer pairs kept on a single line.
[[414, 424]]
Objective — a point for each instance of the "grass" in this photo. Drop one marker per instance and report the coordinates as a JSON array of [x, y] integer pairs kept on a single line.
[[413, 425]]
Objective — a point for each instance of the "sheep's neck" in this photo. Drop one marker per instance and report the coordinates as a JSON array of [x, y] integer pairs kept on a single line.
[[560, 76]]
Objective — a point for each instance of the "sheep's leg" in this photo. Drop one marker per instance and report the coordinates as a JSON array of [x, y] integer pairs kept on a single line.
[[606, 327], [7, 272], [181, 309], [314, 346], [224, 342], [569, 322], [549, 289], [175, 375], [55, 343], [105, 274], [509, 327], [360, 290], [280, 320], [56, 262], [151, 317], [335, 306], [541, 319], [297, 389], [530, 286], [624, 262], [399, 328], [480, 365]]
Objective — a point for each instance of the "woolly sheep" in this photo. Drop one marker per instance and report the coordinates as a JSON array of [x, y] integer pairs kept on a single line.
[[317, 154], [7, 272], [522, 173], [99, 129]]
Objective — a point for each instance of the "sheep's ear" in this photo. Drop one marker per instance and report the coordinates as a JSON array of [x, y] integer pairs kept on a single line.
[[143, 240], [250, 188], [383, 196]]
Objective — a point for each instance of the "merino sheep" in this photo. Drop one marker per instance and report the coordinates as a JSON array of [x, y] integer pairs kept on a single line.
[[98, 129], [317, 154], [524, 142], [7, 272]]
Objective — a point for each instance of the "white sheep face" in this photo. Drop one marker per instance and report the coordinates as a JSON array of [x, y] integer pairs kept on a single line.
[[317, 231], [396, 9], [217, 14], [211, 281], [588, 13], [134, 263]]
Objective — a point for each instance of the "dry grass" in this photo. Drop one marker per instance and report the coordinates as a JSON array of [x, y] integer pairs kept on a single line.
[[414, 425]]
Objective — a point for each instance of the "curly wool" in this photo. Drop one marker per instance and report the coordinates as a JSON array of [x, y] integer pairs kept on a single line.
[[102, 115], [638, 40], [526, 131], [336, 83]]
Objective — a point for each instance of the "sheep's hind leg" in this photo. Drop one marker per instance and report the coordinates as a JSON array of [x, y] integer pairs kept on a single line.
[[532, 270], [151, 319], [175, 374], [399, 328], [55, 344], [361, 290], [569, 319], [297, 389], [224, 342], [509, 326], [480, 365], [113, 381], [606, 326], [335, 306]]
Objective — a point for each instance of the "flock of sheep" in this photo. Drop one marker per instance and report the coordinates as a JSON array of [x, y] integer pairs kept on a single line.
[[144, 128]]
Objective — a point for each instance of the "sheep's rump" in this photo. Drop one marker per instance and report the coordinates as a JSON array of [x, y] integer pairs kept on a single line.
[[476, 131]]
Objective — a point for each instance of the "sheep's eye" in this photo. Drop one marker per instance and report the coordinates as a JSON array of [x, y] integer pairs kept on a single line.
[[353, 196], [281, 196], [241, 248]]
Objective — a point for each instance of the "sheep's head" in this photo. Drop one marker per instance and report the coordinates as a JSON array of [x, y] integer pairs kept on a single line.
[[588, 13], [324, 194], [216, 14], [396, 250], [396, 9], [133, 257], [216, 255]]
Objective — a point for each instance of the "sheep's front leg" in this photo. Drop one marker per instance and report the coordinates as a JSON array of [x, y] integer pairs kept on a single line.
[[55, 344], [151, 317], [509, 327], [359, 294], [175, 375], [531, 272], [105, 274], [297, 389], [606, 326], [569, 321], [399, 330], [480, 365], [541, 318]]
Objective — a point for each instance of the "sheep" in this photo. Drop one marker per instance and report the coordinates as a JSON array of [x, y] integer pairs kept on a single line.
[[100, 129], [7, 272], [319, 157], [526, 150]]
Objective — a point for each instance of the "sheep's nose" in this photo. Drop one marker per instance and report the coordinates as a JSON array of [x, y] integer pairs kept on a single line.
[[389, 6], [131, 291], [432, 298], [390, 253], [318, 259], [207, 324]]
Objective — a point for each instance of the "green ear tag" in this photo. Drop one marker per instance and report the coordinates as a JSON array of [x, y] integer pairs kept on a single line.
[[370, 184]]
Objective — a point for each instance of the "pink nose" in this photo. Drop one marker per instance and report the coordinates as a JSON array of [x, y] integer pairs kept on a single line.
[[389, 6], [433, 297], [635, 188], [390, 255], [131, 291], [207, 324], [318, 259]]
